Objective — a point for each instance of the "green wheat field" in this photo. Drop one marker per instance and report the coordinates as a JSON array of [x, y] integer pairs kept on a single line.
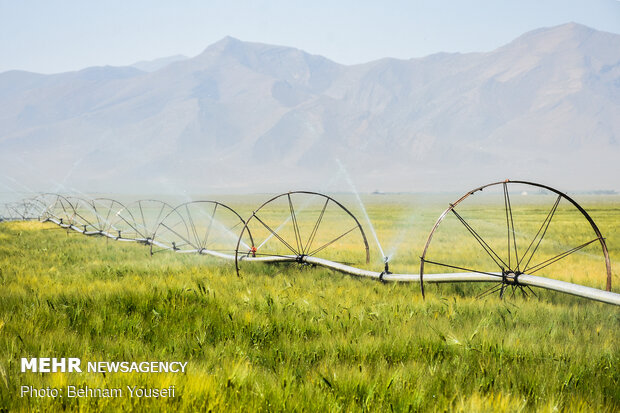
[[296, 338]]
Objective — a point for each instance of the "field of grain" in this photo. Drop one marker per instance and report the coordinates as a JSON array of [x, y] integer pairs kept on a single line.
[[291, 337]]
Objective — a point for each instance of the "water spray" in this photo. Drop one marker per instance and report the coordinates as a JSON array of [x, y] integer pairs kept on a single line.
[[510, 276], [361, 204]]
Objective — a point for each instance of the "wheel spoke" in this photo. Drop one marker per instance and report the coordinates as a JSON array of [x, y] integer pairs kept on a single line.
[[107, 217], [481, 241], [106, 220], [512, 224], [523, 291], [14, 211], [321, 248], [502, 291], [276, 235], [179, 235], [507, 223], [491, 290], [265, 254], [295, 226], [558, 257], [235, 226], [62, 204], [543, 228], [97, 215], [128, 223], [100, 219], [204, 244], [532, 291], [143, 220], [316, 227], [460, 268], [193, 227], [160, 212]]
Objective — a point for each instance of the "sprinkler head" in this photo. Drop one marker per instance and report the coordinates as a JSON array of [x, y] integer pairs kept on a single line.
[[386, 268], [253, 251]]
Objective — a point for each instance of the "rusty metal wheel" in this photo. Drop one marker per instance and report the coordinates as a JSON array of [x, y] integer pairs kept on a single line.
[[511, 228], [294, 225]]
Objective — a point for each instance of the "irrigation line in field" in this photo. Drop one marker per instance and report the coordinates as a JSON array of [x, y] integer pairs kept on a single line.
[[303, 254], [527, 280]]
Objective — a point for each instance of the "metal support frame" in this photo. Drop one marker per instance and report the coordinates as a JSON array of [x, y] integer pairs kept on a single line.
[[61, 211], [299, 249], [507, 268]]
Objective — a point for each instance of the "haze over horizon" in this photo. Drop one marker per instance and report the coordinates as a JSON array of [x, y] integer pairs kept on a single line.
[[253, 117]]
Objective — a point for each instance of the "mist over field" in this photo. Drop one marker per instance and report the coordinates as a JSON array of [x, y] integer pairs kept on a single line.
[[301, 234], [249, 117]]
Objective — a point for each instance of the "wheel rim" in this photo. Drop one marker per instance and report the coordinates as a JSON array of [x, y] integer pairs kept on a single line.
[[58, 208], [139, 220], [200, 227], [295, 224], [520, 257]]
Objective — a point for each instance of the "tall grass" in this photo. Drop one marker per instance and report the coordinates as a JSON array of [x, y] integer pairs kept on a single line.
[[285, 338]]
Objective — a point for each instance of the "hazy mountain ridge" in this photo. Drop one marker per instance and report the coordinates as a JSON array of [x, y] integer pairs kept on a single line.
[[247, 115], [157, 64]]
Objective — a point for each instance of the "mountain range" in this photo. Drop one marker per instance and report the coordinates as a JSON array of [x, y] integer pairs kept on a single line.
[[245, 116]]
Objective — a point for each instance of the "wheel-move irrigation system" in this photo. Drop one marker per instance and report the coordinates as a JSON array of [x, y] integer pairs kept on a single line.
[[315, 229]]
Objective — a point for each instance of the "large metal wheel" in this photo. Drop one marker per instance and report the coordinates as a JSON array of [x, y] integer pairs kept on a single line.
[[105, 212], [85, 217], [515, 228], [12, 211], [94, 216], [294, 225], [24, 210], [139, 220], [35, 208], [58, 209], [204, 227]]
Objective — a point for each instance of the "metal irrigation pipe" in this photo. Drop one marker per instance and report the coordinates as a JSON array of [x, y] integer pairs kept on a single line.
[[522, 279]]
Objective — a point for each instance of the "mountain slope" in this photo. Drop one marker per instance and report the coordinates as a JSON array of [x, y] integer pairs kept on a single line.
[[243, 116], [157, 64]]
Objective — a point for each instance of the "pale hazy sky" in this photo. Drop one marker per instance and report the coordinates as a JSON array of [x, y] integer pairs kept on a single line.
[[54, 36]]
